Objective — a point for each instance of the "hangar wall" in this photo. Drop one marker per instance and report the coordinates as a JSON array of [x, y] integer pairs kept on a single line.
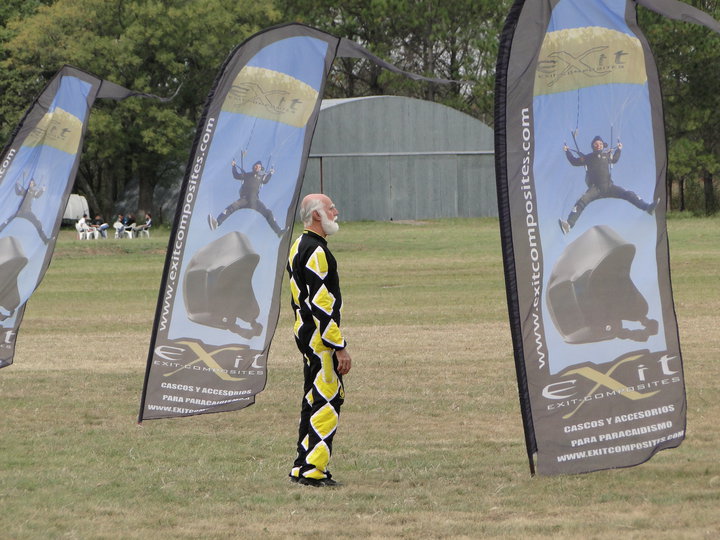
[[397, 158]]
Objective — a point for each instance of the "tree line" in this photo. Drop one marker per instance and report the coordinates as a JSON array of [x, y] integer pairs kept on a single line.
[[158, 46]]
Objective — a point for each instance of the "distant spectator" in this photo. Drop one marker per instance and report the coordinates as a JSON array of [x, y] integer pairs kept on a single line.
[[144, 226], [128, 221], [85, 228], [100, 225], [119, 226]]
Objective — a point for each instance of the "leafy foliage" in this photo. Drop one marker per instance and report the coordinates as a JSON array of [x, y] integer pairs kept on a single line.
[[688, 57], [156, 46], [455, 40], [152, 46]]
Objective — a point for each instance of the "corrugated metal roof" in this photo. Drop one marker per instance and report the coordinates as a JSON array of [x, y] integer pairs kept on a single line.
[[395, 124]]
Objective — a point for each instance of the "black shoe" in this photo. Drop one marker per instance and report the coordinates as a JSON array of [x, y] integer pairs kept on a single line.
[[325, 482], [294, 479]]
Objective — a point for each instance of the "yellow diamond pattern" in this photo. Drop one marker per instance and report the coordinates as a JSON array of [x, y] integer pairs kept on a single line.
[[294, 250], [295, 291], [316, 342], [318, 263], [328, 389], [298, 324], [333, 335], [324, 300], [328, 367], [315, 473], [324, 421]]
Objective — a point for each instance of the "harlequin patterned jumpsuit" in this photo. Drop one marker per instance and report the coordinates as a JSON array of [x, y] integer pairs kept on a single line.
[[316, 301]]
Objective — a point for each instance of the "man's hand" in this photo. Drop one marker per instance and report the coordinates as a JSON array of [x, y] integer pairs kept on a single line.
[[344, 361]]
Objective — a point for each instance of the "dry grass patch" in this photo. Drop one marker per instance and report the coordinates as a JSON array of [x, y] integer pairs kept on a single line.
[[430, 443]]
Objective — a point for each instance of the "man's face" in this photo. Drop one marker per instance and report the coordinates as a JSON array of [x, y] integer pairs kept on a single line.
[[257, 167], [598, 145], [328, 216]]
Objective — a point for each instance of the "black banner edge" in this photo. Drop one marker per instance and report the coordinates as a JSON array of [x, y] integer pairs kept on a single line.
[[505, 225]]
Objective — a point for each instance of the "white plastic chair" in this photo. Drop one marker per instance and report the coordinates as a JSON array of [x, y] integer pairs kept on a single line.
[[85, 232], [82, 233], [120, 230]]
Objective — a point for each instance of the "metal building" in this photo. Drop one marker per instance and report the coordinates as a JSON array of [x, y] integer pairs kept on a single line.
[[398, 158]]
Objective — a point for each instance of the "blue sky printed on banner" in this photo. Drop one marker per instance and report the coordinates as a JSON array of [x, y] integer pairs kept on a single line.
[[50, 168], [616, 112], [276, 145]]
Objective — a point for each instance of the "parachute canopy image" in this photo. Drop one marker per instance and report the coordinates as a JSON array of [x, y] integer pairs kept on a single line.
[[12, 261], [218, 285], [590, 292]]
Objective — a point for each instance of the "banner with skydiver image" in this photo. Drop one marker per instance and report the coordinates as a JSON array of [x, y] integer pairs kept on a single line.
[[580, 167], [220, 293], [37, 173]]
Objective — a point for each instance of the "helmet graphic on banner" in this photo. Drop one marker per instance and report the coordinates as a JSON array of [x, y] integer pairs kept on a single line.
[[590, 293], [218, 286], [12, 261]]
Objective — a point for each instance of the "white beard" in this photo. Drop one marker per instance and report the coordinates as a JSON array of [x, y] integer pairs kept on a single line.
[[329, 226]]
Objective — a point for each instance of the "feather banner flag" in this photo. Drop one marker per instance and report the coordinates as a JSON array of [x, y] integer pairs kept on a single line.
[[37, 173], [220, 292], [580, 168]]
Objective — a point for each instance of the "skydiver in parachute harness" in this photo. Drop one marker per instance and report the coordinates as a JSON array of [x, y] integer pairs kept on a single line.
[[599, 180], [252, 181], [25, 211]]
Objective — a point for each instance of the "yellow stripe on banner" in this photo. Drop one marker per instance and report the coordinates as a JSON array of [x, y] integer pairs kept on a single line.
[[588, 56], [264, 93], [58, 129]]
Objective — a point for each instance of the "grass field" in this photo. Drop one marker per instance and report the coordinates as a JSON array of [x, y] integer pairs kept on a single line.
[[430, 443]]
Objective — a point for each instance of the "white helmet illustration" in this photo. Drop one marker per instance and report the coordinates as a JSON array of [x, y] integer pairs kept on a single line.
[[12, 261], [218, 286], [590, 292]]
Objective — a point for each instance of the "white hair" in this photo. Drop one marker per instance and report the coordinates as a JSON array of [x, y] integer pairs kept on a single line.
[[308, 207]]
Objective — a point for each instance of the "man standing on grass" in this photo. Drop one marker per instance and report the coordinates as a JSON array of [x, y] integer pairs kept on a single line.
[[316, 301]]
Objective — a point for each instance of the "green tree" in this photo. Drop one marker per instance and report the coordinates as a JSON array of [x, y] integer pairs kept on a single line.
[[688, 57], [14, 99], [152, 46], [451, 39]]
